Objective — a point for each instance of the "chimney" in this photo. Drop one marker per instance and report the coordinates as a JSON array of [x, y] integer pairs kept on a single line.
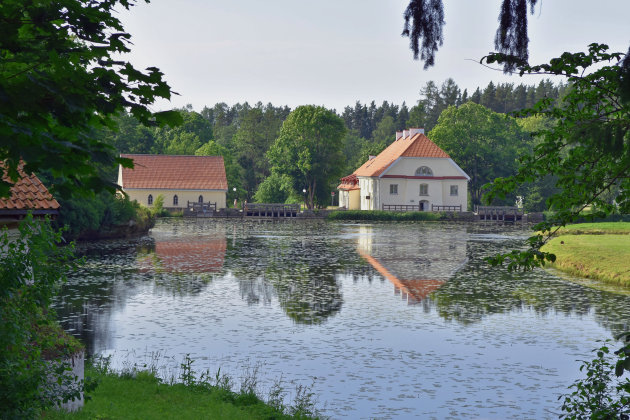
[[414, 131], [371, 157], [399, 134], [405, 133]]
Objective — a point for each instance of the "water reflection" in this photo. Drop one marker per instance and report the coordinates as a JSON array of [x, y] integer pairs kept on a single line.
[[416, 264], [184, 256], [296, 264], [478, 291], [314, 300], [176, 262]]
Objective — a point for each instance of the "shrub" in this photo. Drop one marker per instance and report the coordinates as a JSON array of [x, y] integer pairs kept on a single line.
[[158, 209], [384, 215], [601, 395], [32, 265], [100, 212]]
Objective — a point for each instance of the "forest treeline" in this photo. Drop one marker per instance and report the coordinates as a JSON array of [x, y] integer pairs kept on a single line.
[[243, 134]]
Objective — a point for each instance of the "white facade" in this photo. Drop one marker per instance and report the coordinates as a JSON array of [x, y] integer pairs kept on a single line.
[[400, 185]]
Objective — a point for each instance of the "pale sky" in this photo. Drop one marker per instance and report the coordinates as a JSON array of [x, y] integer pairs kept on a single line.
[[335, 52]]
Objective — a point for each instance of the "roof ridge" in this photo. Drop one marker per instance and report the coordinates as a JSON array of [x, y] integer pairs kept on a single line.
[[170, 156]]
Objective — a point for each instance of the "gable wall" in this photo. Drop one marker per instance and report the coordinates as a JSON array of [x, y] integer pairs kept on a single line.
[[439, 190], [408, 166]]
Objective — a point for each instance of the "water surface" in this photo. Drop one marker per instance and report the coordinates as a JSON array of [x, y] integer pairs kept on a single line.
[[384, 320]]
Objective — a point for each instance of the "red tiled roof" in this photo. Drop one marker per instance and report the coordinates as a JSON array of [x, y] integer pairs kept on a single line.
[[349, 183], [417, 145], [28, 193], [175, 172], [348, 187]]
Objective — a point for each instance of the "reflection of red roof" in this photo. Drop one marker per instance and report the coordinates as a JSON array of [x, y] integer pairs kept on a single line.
[[175, 172], [417, 145], [195, 256], [416, 290], [28, 193]]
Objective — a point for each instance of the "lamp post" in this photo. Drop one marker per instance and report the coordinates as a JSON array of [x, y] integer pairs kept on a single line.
[[304, 192], [235, 196]]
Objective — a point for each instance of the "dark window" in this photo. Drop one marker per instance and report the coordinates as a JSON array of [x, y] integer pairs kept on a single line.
[[150, 200], [393, 189], [200, 199], [424, 171], [453, 189], [175, 200], [424, 189]]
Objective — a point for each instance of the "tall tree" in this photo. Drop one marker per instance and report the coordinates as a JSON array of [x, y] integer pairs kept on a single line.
[[588, 149], [258, 130], [186, 138], [484, 143], [385, 131], [129, 135], [435, 100], [309, 150], [62, 78]]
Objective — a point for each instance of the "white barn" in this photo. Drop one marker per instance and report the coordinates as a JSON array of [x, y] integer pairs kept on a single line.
[[411, 173]]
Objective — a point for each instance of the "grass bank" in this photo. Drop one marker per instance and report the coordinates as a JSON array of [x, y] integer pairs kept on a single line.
[[604, 228], [142, 395], [599, 251]]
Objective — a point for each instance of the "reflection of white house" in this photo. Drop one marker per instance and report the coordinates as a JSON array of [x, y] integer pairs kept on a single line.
[[412, 171], [179, 179], [418, 273]]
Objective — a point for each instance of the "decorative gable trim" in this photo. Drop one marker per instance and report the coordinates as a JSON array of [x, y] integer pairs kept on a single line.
[[459, 169], [389, 167], [423, 177]]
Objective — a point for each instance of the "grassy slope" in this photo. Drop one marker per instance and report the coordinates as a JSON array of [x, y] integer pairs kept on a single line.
[[598, 251], [144, 397], [617, 228]]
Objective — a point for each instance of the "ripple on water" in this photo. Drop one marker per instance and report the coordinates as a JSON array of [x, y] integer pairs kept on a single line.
[[384, 320]]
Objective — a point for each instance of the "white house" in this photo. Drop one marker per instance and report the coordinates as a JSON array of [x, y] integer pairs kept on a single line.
[[412, 172], [179, 179]]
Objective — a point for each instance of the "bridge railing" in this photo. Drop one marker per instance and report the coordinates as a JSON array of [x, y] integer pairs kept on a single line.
[[401, 207], [195, 206], [502, 213], [271, 210], [435, 207]]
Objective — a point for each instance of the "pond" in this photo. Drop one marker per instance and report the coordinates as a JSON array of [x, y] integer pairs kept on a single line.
[[382, 320]]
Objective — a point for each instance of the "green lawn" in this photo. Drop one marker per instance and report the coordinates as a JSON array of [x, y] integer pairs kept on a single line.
[[603, 256], [617, 228], [144, 397]]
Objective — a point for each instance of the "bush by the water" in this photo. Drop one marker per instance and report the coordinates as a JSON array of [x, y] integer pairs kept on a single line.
[[32, 265], [385, 215], [605, 391], [103, 215]]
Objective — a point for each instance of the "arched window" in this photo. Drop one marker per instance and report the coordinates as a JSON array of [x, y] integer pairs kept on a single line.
[[200, 199], [424, 189], [150, 200], [175, 200], [424, 171]]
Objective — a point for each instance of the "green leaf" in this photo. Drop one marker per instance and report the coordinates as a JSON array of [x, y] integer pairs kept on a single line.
[[173, 118]]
